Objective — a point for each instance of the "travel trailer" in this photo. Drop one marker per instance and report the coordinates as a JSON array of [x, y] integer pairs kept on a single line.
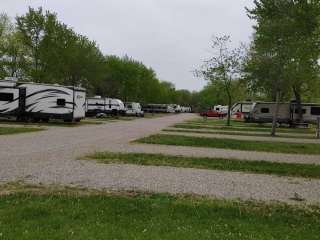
[[158, 108], [241, 109], [98, 105], [185, 109], [134, 109], [287, 113], [36, 101], [221, 109]]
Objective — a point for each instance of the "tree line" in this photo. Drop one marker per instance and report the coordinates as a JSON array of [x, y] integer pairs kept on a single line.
[[38, 47]]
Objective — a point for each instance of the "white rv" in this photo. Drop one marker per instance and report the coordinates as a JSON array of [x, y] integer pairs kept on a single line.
[[134, 108], [241, 108], [221, 109], [97, 105], [37, 101], [158, 108], [287, 113]]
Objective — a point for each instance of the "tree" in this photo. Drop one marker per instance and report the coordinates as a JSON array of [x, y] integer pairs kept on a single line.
[[224, 67], [285, 50]]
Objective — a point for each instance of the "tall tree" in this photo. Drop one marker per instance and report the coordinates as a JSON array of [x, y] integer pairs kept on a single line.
[[224, 66], [286, 48]]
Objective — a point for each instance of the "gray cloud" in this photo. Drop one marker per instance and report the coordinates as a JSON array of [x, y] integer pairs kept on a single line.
[[171, 36]]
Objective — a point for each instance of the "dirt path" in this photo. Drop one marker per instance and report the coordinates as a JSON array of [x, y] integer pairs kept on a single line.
[[50, 157]]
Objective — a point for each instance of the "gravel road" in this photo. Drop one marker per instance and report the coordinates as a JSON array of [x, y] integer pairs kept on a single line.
[[49, 157]]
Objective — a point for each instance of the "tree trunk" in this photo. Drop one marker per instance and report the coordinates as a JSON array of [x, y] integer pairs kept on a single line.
[[229, 109], [275, 115], [298, 104]]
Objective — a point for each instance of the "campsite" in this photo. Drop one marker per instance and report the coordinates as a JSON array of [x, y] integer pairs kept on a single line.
[[124, 127]]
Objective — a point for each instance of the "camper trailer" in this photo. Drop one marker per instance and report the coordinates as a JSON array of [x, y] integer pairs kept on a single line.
[[241, 109], [134, 109], [98, 105], [287, 112], [158, 108], [35, 101]]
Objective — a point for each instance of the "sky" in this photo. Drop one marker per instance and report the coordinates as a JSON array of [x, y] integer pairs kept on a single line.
[[171, 36]]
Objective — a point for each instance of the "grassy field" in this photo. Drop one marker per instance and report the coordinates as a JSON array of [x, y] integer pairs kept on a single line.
[[68, 214], [278, 147], [244, 129], [17, 130], [263, 167], [239, 133]]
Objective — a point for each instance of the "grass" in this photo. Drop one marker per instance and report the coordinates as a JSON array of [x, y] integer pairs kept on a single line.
[[250, 134], [263, 167], [17, 130], [67, 214], [278, 147], [244, 129]]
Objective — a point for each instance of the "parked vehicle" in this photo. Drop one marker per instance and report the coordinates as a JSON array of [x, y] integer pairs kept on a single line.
[[185, 109], [221, 109], [213, 113], [176, 107], [158, 108], [134, 108], [35, 101], [241, 109], [262, 112], [98, 106]]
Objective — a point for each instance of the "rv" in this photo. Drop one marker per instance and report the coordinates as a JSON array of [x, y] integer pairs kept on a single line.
[[35, 101], [185, 109], [241, 109], [158, 108], [221, 109], [287, 112], [134, 108], [97, 106]]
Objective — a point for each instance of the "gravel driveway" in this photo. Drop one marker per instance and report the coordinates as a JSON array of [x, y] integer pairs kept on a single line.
[[49, 157]]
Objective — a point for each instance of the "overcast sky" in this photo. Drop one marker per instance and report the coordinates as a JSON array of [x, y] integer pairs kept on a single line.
[[171, 36]]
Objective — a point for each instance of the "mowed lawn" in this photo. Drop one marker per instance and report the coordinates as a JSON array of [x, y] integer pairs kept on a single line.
[[262, 167], [17, 130], [244, 128], [278, 147], [60, 215]]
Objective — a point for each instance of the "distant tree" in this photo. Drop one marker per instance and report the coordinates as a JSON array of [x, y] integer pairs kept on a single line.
[[224, 67]]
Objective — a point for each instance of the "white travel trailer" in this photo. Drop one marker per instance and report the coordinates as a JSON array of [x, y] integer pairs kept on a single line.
[[221, 108], [287, 113], [35, 101], [134, 108], [97, 105], [242, 108], [158, 108]]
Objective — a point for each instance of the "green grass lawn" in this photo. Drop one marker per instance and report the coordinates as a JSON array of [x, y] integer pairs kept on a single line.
[[263, 167], [71, 215], [244, 129], [16, 130], [239, 133], [278, 147]]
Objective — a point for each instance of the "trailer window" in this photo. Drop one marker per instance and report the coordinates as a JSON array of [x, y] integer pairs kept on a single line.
[[61, 102], [6, 97], [265, 110], [315, 110]]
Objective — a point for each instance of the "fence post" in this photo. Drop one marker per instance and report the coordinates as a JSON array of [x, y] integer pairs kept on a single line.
[[318, 127]]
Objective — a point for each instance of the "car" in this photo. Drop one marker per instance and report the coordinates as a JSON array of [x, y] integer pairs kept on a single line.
[[213, 113]]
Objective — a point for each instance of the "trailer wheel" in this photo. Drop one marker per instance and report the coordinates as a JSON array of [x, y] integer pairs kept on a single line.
[[36, 120]]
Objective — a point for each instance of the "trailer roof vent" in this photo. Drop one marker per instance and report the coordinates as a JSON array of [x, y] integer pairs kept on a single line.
[[97, 96]]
